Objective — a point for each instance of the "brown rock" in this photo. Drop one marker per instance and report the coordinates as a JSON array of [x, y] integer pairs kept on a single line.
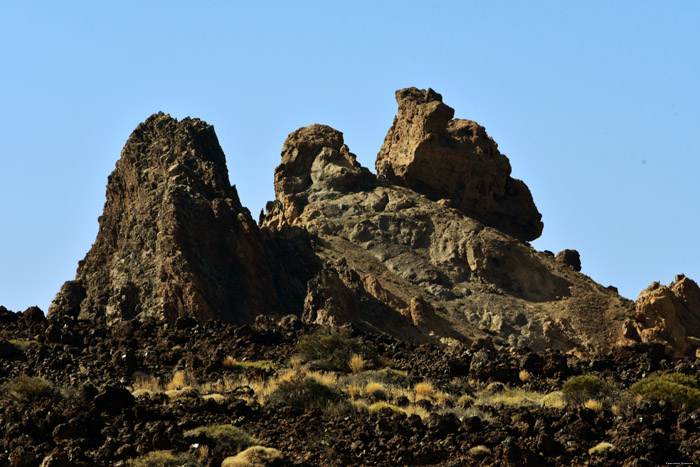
[[315, 160], [440, 157], [670, 315], [174, 239], [570, 258]]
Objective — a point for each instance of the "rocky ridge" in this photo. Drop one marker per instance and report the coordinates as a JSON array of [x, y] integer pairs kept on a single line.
[[432, 249]]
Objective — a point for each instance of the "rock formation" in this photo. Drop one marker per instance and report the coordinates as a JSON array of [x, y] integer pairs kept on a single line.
[[174, 240], [391, 259], [671, 315], [445, 158]]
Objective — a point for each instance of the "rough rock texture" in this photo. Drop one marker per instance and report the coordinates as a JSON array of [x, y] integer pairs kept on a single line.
[[671, 315], [174, 239], [571, 258], [438, 274], [445, 158]]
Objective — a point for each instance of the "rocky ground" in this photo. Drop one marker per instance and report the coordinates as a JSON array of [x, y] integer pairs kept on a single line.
[[81, 393]]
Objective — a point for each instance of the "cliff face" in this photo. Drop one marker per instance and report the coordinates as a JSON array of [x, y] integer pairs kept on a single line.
[[174, 240]]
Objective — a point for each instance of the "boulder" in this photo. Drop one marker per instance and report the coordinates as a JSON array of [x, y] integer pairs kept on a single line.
[[173, 240], [671, 315], [445, 158], [570, 258]]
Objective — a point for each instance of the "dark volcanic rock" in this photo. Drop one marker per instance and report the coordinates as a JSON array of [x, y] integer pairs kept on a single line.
[[570, 258], [174, 239], [445, 158]]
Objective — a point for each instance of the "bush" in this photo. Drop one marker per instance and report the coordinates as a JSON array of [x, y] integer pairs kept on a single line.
[[221, 437], [161, 459], [29, 388], [332, 348], [579, 389], [601, 449], [679, 390], [256, 456], [306, 392]]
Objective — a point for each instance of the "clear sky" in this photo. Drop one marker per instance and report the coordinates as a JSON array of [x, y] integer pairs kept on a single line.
[[595, 103]]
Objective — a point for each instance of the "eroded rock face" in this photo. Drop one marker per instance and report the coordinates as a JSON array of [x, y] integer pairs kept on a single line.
[[671, 315], [174, 240], [445, 158], [391, 259], [315, 161]]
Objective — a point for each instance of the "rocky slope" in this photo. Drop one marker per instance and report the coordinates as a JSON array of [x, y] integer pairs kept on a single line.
[[94, 407]]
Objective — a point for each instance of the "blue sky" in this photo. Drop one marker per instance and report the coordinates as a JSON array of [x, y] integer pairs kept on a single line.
[[595, 103]]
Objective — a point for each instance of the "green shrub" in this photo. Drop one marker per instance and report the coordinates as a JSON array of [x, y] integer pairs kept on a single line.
[[221, 437], [679, 390], [306, 392], [29, 388], [332, 348], [162, 459], [579, 389]]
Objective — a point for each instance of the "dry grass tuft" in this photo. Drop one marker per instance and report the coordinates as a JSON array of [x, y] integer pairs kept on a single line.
[[594, 405], [254, 456], [178, 381], [424, 389], [524, 375], [601, 449], [357, 364]]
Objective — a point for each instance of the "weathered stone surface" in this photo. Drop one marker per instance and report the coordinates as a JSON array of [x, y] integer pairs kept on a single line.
[[315, 159], [441, 157], [671, 315], [571, 258], [392, 259], [174, 239]]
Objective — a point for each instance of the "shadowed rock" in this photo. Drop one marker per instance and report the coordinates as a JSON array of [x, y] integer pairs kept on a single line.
[[174, 239]]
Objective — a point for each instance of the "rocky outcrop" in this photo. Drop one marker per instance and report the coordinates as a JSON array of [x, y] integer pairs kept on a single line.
[[671, 315], [391, 259], [174, 240], [445, 158], [570, 258], [315, 161]]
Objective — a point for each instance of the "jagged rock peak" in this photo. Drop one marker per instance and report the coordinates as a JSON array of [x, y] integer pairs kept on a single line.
[[174, 240], [453, 159], [315, 162]]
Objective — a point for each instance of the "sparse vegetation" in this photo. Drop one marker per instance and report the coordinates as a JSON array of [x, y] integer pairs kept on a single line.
[[357, 364], [332, 348], [254, 456], [305, 391], [162, 459], [231, 363], [222, 437], [524, 375], [579, 389], [29, 388], [594, 405], [679, 390], [601, 449]]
